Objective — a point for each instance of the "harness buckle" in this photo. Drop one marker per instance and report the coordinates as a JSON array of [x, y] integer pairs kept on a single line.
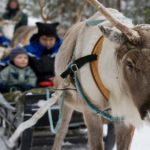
[[74, 67]]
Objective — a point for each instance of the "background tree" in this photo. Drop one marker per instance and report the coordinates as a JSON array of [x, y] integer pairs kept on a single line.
[[67, 11]]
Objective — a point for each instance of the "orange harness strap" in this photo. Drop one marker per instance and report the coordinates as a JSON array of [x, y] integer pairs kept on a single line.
[[94, 68]]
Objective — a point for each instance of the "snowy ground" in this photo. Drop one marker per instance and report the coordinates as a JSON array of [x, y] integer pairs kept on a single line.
[[141, 141]]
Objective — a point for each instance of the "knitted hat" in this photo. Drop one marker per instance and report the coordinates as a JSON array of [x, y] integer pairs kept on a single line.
[[47, 29], [17, 51]]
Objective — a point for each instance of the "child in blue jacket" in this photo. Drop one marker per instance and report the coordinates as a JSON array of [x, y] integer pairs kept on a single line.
[[42, 50]]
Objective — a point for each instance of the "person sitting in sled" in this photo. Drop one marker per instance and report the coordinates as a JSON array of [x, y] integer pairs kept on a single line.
[[17, 75], [42, 50]]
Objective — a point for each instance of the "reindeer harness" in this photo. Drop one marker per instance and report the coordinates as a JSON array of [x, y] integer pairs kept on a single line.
[[80, 62]]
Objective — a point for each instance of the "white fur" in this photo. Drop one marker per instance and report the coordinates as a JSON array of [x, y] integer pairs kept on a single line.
[[109, 70], [120, 100], [8, 29], [84, 47]]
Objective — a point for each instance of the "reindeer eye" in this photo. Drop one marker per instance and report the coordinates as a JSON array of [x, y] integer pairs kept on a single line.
[[129, 64]]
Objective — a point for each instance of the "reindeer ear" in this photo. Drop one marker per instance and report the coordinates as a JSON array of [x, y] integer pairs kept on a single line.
[[112, 35]]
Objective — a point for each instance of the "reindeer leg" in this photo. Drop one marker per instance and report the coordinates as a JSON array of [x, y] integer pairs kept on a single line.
[[62, 131], [95, 130], [124, 135]]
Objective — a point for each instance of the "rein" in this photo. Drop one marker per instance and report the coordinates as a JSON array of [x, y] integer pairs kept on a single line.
[[50, 117]]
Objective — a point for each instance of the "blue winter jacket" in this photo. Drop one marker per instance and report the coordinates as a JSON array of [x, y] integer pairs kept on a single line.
[[37, 50], [4, 41], [41, 57]]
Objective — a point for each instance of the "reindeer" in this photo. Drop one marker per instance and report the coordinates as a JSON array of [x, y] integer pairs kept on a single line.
[[8, 26], [22, 35], [122, 67]]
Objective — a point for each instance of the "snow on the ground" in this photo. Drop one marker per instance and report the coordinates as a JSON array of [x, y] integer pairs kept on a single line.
[[141, 139]]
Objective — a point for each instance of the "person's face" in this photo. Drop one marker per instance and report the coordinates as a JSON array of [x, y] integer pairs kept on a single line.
[[13, 5], [48, 42], [21, 60]]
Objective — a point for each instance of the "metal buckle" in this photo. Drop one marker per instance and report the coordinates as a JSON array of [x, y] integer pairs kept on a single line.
[[74, 67]]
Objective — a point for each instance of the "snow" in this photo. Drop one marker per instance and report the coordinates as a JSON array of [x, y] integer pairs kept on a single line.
[[141, 139], [33, 20]]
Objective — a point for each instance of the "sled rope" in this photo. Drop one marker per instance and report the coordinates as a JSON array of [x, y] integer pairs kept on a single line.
[[51, 122]]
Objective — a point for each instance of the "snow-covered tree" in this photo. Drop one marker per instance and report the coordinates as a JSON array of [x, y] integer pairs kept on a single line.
[[67, 12]]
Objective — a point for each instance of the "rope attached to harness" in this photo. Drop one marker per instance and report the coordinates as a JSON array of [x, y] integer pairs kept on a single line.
[[51, 122]]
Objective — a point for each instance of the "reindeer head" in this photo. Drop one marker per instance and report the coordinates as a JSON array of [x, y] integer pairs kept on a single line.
[[8, 26], [133, 57]]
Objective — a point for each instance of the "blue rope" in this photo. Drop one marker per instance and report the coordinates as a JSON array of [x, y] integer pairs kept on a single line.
[[93, 107], [51, 122]]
